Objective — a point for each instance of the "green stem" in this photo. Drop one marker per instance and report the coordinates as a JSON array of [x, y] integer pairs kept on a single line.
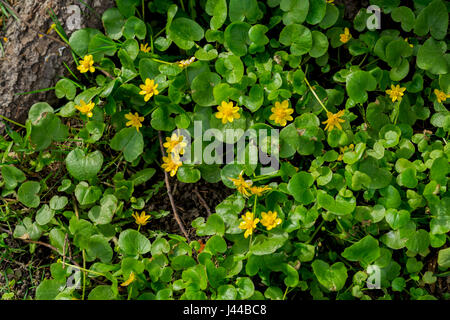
[[12, 121], [112, 162], [264, 177], [85, 270], [159, 32], [182, 5], [254, 213], [285, 293], [84, 275], [315, 232], [316, 96], [364, 59], [161, 61], [62, 37]]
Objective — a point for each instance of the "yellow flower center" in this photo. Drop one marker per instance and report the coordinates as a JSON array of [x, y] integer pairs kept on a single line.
[[141, 219], [334, 120], [281, 113], [270, 220], [249, 223], [134, 120], [171, 164], [259, 190], [175, 144], [85, 109], [227, 112], [441, 95], [396, 92], [87, 64], [148, 89]]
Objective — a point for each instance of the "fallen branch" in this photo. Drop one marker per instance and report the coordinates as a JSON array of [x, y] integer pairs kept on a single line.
[[202, 201], [169, 192]]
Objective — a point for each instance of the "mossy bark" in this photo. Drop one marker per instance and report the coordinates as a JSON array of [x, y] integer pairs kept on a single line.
[[32, 62]]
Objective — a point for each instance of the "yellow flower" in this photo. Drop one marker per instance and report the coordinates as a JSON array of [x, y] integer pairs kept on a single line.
[[148, 89], [406, 40], [131, 279], [281, 113], [171, 164], [145, 48], [346, 36], [330, 2], [135, 120], [242, 185], [249, 224], [86, 109], [441, 96], [175, 144], [396, 92], [334, 120], [5, 39], [185, 63], [87, 64], [259, 190], [270, 220], [52, 27], [227, 112], [141, 219], [343, 150]]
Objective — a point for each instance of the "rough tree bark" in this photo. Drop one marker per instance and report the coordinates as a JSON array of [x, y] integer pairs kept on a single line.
[[31, 62]]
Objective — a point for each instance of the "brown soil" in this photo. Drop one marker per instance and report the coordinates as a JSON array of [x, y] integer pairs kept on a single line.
[[22, 269], [189, 207]]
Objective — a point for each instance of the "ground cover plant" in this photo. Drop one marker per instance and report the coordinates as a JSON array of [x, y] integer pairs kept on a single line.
[[359, 208]]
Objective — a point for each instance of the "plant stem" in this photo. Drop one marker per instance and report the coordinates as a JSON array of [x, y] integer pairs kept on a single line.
[[182, 5], [85, 270], [12, 121], [315, 95], [161, 61], [315, 232], [84, 275]]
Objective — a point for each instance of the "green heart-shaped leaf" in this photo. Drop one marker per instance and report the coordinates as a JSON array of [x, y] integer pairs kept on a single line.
[[82, 166]]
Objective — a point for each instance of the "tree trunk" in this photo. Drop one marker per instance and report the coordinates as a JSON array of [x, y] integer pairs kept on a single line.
[[32, 62]]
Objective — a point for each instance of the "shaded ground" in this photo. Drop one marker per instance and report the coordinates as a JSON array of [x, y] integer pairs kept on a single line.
[[24, 270], [188, 204], [20, 271]]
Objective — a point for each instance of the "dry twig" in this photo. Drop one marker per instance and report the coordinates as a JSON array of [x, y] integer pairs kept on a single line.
[[169, 192], [202, 201]]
